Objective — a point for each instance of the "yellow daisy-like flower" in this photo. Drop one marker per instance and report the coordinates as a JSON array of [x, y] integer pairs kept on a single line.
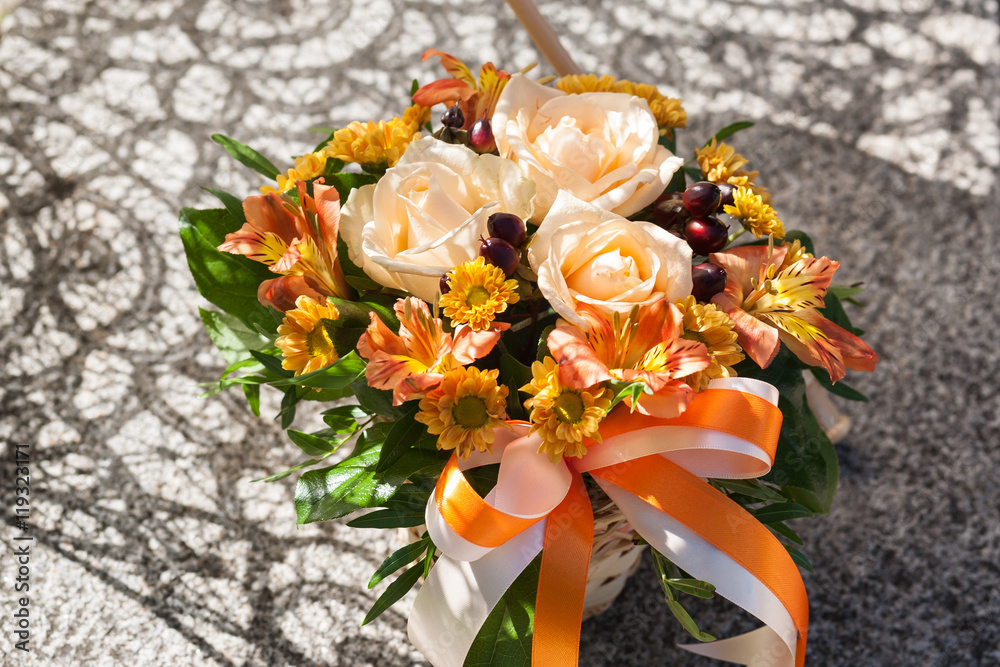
[[464, 409], [564, 417], [378, 146], [304, 336], [478, 292], [706, 324], [669, 112], [307, 167], [721, 163], [756, 215]]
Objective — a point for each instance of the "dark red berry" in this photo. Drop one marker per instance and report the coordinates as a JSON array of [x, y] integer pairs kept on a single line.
[[702, 199], [444, 285], [670, 214], [508, 227], [670, 196], [706, 235], [709, 279], [500, 253], [453, 118], [728, 190], [481, 137]]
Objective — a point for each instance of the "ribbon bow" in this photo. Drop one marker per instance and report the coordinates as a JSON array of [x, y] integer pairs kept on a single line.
[[652, 469]]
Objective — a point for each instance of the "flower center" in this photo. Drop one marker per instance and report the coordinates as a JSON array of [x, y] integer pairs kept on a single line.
[[568, 407], [695, 336], [318, 340], [477, 296], [470, 412]]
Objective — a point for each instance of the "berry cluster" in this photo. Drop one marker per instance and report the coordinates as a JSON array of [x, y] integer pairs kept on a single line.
[[507, 233], [691, 215], [479, 137]]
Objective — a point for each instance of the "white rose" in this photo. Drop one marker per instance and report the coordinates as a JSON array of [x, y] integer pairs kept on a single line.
[[585, 254], [601, 147], [424, 217]]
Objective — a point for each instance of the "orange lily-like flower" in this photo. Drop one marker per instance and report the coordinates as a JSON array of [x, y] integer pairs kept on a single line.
[[771, 302], [298, 241], [646, 346], [476, 99], [415, 361]]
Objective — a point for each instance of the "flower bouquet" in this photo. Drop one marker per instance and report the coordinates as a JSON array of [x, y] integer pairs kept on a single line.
[[561, 340]]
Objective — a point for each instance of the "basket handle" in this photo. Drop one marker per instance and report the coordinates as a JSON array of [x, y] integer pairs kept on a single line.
[[544, 37]]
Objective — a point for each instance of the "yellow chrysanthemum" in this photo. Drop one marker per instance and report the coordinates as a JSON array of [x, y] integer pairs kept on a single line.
[[376, 146], [669, 112], [307, 167], [706, 324], [564, 417], [464, 409], [304, 336], [754, 214], [721, 163], [478, 292]]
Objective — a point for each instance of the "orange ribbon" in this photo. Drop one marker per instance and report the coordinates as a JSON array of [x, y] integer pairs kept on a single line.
[[568, 541]]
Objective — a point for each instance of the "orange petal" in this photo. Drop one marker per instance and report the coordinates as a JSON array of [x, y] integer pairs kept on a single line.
[[667, 402], [579, 365], [745, 263], [452, 65], [819, 342], [469, 345], [758, 339], [443, 91], [282, 292]]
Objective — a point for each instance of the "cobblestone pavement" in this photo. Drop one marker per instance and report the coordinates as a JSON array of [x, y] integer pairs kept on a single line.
[[876, 132]]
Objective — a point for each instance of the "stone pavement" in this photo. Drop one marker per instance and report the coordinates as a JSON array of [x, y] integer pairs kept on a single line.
[[876, 132]]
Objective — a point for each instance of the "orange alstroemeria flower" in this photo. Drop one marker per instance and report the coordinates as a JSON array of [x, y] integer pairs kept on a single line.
[[415, 361], [476, 99], [298, 241], [771, 303], [644, 346]]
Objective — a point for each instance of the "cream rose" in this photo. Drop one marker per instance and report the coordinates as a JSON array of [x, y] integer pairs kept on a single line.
[[601, 147], [425, 215], [585, 254]]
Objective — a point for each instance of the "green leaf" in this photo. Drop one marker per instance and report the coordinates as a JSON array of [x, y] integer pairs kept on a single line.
[[393, 592], [344, 418], [514, 375], [288, 405], [695, 587], [387, 518], [799, 558], [377, 401], [505, 637], [270, 359], [347, 182], [399, 558], [232, 204], [247, 156], [631, 390], [793, 235], [234, 339], [228, 281], [750, 488], [335, 376], [402, 436], [730, 130], [845, 292], [666, 570], [785, 532], [285, 473], [837, 388], [312, 445], [781, 512], [252, 393]]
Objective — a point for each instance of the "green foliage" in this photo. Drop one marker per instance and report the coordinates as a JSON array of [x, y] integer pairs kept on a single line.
[[393, 592], [671, 584], [514, 375], [630, 390], [729, 130], [406, 433], [228, 281], [234, 339], [399, 558], [247, 156], [505, 638]]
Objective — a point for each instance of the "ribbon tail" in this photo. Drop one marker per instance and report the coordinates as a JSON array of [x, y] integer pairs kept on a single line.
[[713, 538], [562, 580], [458, 596]]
